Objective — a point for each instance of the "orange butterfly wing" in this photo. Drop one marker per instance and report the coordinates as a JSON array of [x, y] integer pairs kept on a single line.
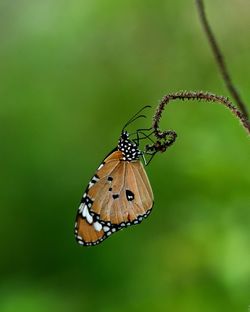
[[118, 195], [123, 195]]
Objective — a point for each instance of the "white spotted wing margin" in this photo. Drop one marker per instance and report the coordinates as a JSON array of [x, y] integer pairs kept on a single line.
[[88, 231], [108, 230], [119, 195]]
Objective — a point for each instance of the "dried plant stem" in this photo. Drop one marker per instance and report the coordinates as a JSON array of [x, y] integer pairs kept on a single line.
[[195, 95], [219, 58]]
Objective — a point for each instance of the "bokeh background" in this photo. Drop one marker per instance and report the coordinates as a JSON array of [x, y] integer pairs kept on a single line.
[[71, 74]]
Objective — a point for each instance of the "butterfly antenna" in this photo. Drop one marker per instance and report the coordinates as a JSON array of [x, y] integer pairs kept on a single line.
[[136, 116]]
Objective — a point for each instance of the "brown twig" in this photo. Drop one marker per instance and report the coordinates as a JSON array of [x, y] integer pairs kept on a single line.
[[219, 59], [195, 95], [163, 141]]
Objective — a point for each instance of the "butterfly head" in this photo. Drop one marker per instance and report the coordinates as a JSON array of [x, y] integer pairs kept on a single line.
[[129, 148]]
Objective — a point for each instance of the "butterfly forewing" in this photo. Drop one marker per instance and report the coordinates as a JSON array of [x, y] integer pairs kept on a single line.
[[137, 183], [123, 195]]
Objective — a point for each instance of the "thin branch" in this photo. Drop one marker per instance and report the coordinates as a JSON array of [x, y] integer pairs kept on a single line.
[[163, 141], [219, 58], [195, 95]]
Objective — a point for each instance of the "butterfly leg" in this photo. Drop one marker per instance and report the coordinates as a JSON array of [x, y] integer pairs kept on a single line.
[[145, 136], [152, 154]]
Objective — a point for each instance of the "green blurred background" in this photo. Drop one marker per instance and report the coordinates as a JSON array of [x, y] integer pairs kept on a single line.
[[72, 73]]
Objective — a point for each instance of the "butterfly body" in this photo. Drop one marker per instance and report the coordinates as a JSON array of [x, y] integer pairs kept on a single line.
[[118, 195]]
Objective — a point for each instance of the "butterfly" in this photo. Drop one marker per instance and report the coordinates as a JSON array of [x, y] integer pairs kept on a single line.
[[118, 195]]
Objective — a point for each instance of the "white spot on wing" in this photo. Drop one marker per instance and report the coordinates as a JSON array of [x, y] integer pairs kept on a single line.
[[93, 181], [84, 210], [101, 165], [91, 184], [89, 218], [81, 208], [97, 226], [105, 228], [95, 178], [86, 214]]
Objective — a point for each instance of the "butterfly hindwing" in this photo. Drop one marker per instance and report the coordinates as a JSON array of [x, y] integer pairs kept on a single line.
[[88, 230], [86, 234]]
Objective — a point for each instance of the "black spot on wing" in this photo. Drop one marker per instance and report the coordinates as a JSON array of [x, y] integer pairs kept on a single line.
[[130, 195], [115, 196]]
